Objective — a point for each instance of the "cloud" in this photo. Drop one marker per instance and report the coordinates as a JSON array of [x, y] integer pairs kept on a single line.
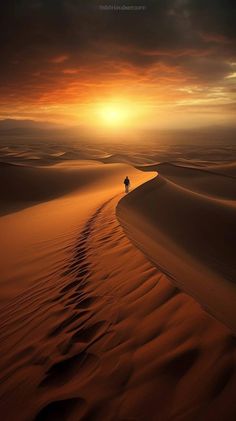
[[59, 59], [42, 42]]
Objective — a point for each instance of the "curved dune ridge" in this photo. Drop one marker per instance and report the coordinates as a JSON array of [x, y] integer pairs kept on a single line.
[[112, 336], [42, 208], [90, 329], [185, 221]]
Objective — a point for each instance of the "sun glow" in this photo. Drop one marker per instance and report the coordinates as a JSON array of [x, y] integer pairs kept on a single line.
[[112, 115], [115, 114]]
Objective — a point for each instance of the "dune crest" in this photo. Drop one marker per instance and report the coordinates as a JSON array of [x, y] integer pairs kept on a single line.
[[111, 335], [184, 220], [89, 328]]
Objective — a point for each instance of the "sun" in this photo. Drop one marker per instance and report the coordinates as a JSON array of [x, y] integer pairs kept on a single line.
[[114, 114]]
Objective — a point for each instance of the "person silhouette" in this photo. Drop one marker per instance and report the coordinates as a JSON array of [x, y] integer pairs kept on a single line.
[[127, 184]]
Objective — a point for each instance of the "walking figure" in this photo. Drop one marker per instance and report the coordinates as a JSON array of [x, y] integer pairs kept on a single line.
[[127, 184]]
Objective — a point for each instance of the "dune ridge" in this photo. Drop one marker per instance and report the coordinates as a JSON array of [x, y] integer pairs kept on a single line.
[[89, 328], [112, 339], [184, 220]]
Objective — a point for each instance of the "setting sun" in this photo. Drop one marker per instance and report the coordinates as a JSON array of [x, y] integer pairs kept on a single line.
[[114, 114]]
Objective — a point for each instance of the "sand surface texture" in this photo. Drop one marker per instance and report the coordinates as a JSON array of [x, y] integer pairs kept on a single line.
[[90, 329]]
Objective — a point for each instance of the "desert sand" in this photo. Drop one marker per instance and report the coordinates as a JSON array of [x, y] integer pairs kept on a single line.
[[117, 312], [186, 224]]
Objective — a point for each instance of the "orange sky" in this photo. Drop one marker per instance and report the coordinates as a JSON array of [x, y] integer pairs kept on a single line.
[[172, 64]]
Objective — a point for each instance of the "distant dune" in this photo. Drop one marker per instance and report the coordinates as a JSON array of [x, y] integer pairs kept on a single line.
[[227, 168], [11, 124]]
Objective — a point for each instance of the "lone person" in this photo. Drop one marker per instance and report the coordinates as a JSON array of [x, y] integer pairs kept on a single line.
[[127, 184]]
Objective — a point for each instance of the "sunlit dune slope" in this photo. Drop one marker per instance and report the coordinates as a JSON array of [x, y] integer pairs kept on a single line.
[[51, 205], [22, 186]]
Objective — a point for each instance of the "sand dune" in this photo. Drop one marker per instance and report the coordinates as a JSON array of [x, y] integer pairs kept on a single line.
[[54, 200], [207, 181], [185, 221], [226, 168], [89, 328], [22, 186], [106, 336]]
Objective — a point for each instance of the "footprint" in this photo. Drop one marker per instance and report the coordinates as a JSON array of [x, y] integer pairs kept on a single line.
[[64, 347], [223, 379], [76, 299], [86, 334], [64, 324], [81, 286], [181, 363], [87, 302], [59, 410], [83, 271], [76, 295], [69, 287], [73, 265], [80, 255], [63, 371]]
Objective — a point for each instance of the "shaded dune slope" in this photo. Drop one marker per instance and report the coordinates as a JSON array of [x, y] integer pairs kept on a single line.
[[185, 221], [112, 339], [226, 168], [208, 181]]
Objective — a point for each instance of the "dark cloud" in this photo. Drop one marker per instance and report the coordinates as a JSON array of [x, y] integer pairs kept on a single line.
[[195, 35], [214, 17]]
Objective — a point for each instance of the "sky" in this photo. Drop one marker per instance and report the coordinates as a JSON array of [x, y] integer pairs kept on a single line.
[[120, 63]]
